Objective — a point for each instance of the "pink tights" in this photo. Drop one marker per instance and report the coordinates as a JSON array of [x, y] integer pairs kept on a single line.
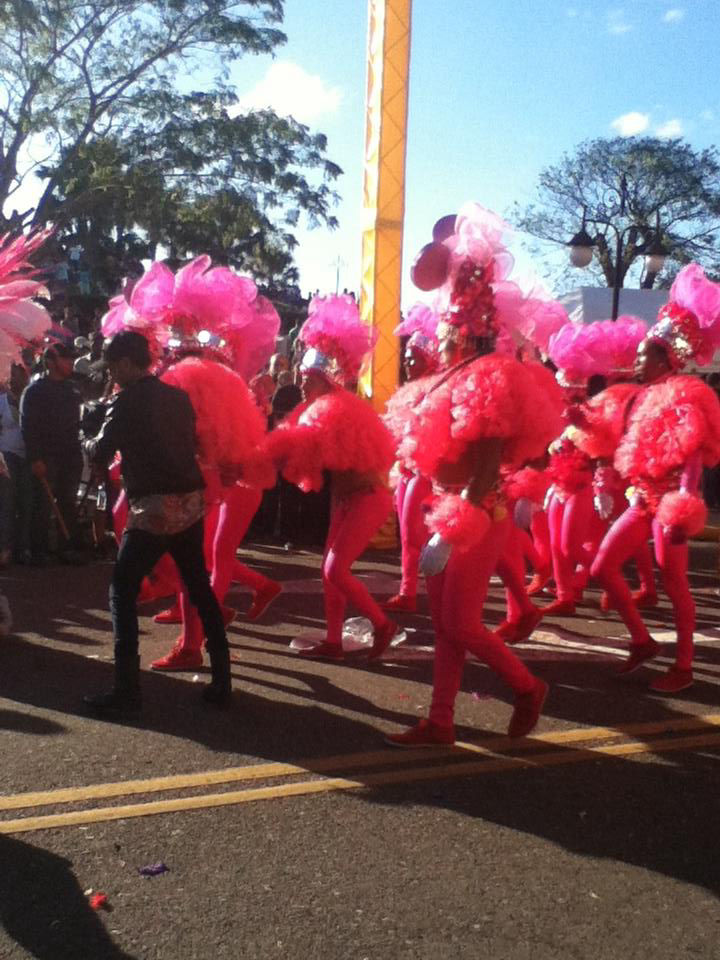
[[540, 532], [353, 522], [409, 497], [457, 596], [511, 570], [622, 541], [570, 523]]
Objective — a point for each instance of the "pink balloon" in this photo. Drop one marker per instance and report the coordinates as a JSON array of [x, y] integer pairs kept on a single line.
[[444, 228], [430, 267]]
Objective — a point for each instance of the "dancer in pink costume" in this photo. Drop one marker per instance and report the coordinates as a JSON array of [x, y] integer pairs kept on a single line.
[[336, 430], [527, 489], [213, 324], [411, 490], [485, 412], [583, 353], [672, 430]]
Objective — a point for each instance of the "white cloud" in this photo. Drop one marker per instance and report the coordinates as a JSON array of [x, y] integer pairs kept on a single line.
[[707, 115], [674, 15], [670, 129], [291, 91], [572, 12], [630, 124], [617, 22]]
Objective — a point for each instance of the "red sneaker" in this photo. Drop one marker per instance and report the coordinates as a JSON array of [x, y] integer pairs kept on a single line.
[[263, 598], [179, 660], [425, 733], [642, 598], [528, 707], [323, 651], [560, 608], [673, 681], [401, 601], [539, 579], [171, 615], [382, 638], [525, 626], [639, 653]]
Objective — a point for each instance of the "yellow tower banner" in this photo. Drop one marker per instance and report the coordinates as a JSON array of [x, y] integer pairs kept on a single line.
[[384, 188]]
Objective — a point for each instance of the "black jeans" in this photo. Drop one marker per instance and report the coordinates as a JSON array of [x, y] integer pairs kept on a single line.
[[138, 554]]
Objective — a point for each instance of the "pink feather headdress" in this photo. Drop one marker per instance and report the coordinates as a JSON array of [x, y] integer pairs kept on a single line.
[[21, 321], [606, 347], [199, 308], [420, 326], [338, 341], [689, 324]]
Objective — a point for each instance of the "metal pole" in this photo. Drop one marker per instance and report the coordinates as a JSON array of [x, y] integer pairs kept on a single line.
[[619, 252]]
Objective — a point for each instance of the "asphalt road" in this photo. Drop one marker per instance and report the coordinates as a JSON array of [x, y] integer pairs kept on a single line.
[[289, 830]]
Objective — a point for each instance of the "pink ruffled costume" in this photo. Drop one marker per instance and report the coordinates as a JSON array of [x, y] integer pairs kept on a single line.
[[493, 397], [672, 430]]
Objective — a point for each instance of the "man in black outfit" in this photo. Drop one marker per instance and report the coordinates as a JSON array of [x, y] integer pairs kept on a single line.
[[50, 424], [153, 426]]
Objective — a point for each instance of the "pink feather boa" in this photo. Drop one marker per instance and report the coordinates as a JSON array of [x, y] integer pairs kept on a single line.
[[528, 484], [494, 396], [669, 423], [338, 431], [603, 421], [401, 404], [230, 428], [458, 521], [682, 510]]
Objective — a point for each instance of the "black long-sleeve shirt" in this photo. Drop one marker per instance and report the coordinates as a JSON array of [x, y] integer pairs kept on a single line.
[[153, 426], [50, 420]]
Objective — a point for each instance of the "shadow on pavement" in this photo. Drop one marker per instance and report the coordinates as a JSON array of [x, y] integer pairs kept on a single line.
[[44, 911]]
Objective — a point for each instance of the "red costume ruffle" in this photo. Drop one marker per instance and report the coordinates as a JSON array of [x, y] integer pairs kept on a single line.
[[338, 431], [230, 428], [457, 521], [528, 484], [603, 421], [683, 511], [669, 423]]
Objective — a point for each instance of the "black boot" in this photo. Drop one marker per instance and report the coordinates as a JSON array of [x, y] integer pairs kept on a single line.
[[124, 698], [219, 690]]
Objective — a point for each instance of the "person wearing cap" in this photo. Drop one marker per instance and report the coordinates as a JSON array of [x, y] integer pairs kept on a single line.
[[50, 424], [16, 487], [672, 429], [152, 425]]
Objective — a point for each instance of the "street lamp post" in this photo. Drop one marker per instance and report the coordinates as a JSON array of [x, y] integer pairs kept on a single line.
[[582, 243]]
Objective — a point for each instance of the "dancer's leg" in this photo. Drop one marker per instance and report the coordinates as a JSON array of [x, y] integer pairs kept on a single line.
[[362, 517], [621, 542], [236, 511], [511, 570], [672, 559], [413, 532]]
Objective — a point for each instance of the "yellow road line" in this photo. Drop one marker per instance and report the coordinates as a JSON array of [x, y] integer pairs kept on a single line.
[[335, 784], [387, 757]]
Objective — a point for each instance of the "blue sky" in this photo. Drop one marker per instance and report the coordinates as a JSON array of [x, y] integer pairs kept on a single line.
[[498, 89]]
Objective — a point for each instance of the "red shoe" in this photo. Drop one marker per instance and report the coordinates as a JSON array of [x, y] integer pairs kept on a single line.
[[323, 651], [263, 598], [525, 626], [425, 733], [179, 660], [639, 653], [673, 681], [560, 608], [382, 638], [605, 602], [528, 707], [539, 579], [401, 601], [171, 615], [642, 598]]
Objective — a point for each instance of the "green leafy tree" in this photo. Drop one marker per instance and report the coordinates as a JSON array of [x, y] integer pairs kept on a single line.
[[673, 194]]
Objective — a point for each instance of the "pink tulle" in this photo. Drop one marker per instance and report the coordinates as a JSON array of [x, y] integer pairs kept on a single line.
[[604, 420], [603, 347], [458, 521], [338, 431], [684, 511], [528, 484], [693, 291], [399, 407], [334, 327], [540, 320], [230, 427], [669, 423], [420, 319], [200, 305]]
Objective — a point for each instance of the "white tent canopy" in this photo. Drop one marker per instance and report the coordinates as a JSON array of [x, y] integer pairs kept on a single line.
[[587, 304]]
